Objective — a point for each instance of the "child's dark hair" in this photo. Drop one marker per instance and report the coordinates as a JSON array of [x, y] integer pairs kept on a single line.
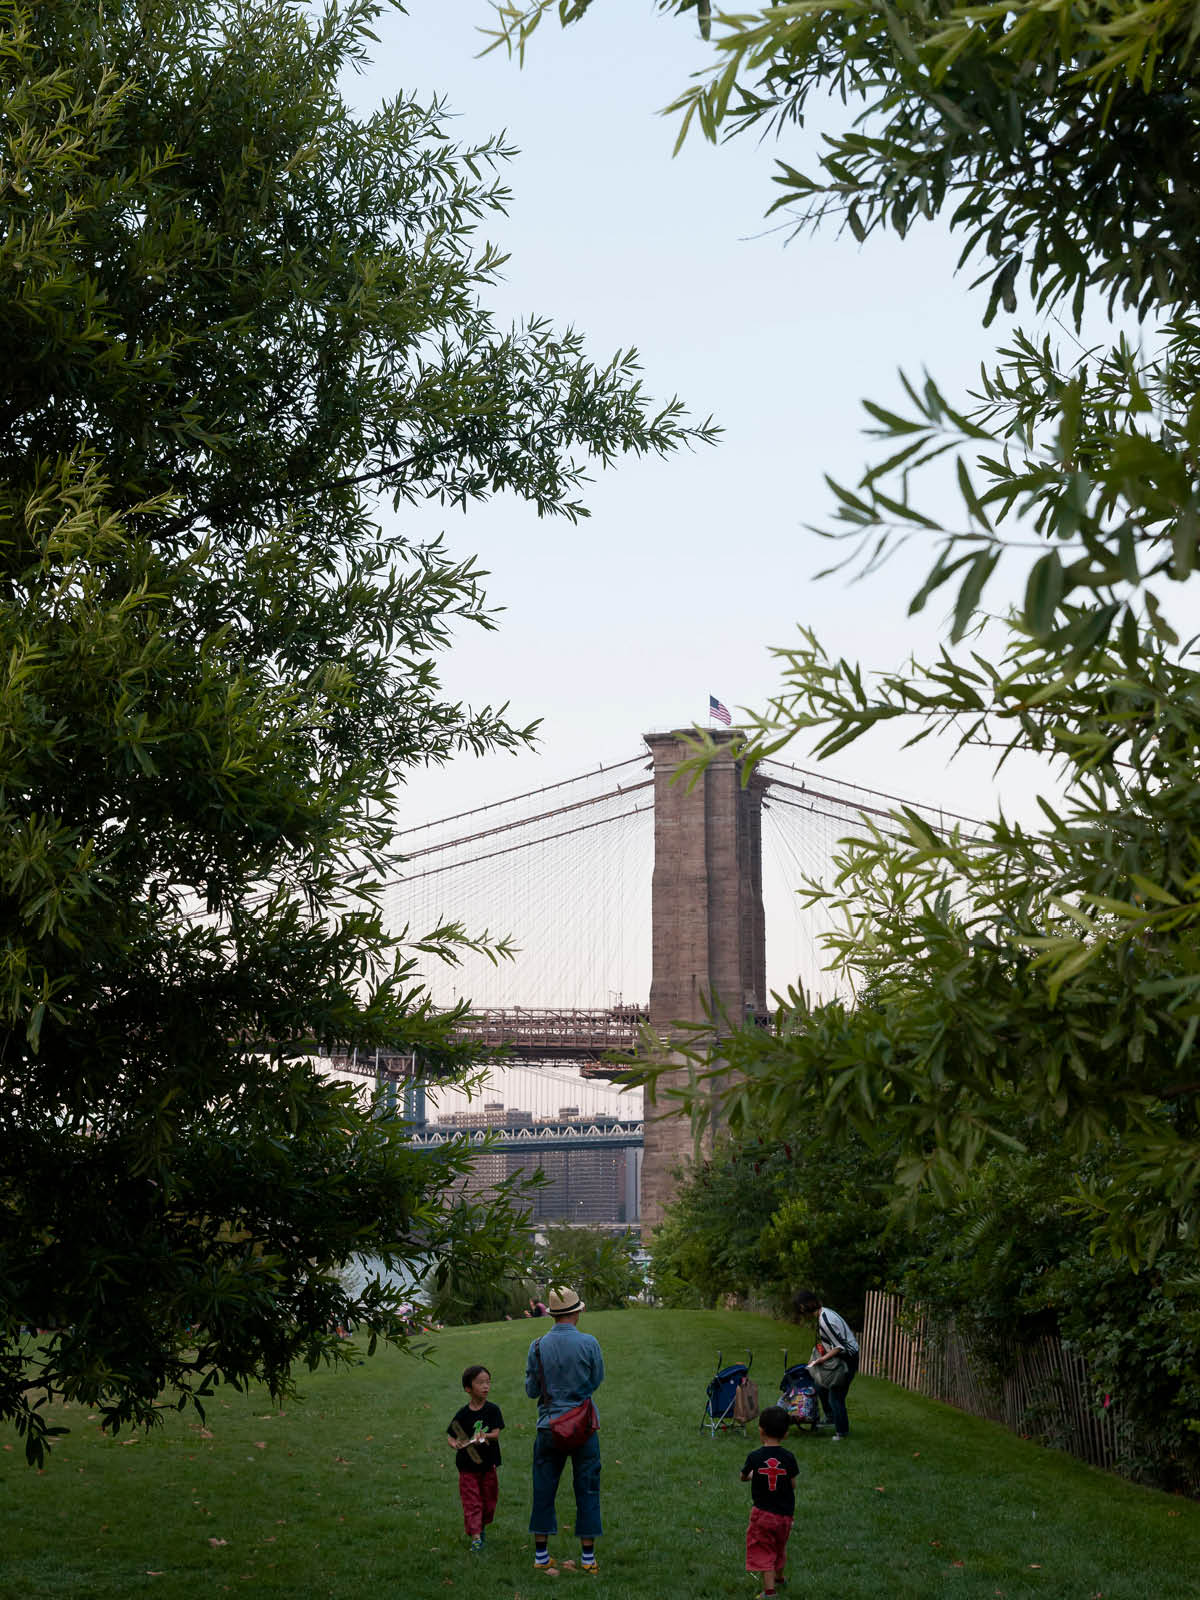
[[471, 1373], [805, 1302], [774, 1422]]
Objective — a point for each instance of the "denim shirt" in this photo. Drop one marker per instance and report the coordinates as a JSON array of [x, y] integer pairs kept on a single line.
[[574, 1369]]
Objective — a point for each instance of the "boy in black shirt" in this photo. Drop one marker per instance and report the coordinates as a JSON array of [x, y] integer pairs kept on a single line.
[[474, 1436], [771, 1473]]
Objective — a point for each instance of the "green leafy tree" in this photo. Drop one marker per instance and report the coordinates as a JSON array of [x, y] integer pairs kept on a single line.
[[598, 1264], [1008, 1263], [236, 317], [763, 1217], [1045, 976]]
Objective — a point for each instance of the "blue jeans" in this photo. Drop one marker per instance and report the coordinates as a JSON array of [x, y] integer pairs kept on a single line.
[[548, 1464], [833, 1401]]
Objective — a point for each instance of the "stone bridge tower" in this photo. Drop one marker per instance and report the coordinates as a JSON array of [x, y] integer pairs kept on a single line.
[[708, 940]]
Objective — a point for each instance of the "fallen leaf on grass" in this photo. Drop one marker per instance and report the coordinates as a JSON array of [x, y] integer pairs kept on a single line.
[[260, 1444], [152, 1574], [879, 1489], [217, 1543], [957, 1563], [1035, 1566]]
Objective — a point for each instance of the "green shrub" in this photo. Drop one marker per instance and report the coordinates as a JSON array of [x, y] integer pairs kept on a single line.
[[758, 1219], [597, 1264], [1016, 1260]]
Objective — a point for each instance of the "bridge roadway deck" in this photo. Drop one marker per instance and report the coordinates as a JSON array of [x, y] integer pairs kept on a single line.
[[581, 1037], [597, 1134]]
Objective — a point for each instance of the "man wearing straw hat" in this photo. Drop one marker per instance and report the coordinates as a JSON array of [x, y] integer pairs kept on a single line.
[[564, 1368]]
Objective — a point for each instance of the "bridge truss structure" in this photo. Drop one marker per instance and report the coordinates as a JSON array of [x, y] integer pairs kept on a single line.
[[578, 1037], [597, 1134]]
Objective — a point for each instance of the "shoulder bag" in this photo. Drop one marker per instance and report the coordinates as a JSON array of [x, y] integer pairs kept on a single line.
[[827, 1374], [573, 1427]]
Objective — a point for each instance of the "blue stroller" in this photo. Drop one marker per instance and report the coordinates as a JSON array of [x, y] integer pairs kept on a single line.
[[798, 1396], [732, 1399]]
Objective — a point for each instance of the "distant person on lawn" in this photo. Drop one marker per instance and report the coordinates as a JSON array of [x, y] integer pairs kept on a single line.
[[771, 1473], [567, 1367], [474, 1435], [836, 1338]]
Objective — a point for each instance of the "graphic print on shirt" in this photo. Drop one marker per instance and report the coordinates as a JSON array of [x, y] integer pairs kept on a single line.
[[770, 1471]]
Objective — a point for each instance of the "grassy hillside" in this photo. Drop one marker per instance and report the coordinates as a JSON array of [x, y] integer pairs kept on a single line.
[[352, 1492]]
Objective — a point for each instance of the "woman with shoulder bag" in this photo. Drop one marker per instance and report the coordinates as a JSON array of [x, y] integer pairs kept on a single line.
[[836, 1345]]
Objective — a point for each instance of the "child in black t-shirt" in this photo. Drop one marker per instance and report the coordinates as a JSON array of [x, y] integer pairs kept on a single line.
[[474, 1436], [771, 1473]]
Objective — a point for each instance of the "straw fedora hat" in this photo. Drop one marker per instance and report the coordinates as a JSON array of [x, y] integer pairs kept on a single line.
[[563, 1302]]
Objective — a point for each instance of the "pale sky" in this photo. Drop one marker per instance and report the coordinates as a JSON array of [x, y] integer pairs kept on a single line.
[[689, 568]]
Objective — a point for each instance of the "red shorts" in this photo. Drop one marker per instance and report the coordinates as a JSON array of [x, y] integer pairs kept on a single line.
[[766, 1540], [478, 1492]]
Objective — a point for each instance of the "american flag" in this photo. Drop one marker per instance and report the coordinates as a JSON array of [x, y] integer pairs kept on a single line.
[[717, 711]]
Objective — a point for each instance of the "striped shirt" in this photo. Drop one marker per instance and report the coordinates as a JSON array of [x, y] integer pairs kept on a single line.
[[835, 1330]]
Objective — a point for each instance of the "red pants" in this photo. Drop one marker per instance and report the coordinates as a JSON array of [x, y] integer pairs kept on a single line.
[[479, 1492], [766, 1541]]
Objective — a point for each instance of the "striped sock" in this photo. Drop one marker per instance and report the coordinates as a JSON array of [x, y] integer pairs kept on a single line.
[[588, 1554], [541, 1554]]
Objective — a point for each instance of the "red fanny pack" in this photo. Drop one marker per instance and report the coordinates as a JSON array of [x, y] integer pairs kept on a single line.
[[574, 1427]]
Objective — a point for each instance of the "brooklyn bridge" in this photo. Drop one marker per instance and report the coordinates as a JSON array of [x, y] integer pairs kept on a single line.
[[631, 880]]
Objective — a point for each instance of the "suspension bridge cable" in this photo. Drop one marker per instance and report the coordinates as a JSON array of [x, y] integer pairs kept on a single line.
[[917, 805], [525, 822], [457, 816], [526, 844], [857, 806], [856, 810]]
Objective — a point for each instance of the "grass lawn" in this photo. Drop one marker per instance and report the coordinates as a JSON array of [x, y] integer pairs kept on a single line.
[[352, 1492]]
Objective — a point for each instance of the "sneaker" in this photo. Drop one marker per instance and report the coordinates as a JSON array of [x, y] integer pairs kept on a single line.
[[550, 1567], [836, 1437], [477, 1542], [589, 1566]]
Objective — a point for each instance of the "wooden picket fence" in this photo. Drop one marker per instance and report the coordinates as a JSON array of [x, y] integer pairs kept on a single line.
[[1044, 1392]]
